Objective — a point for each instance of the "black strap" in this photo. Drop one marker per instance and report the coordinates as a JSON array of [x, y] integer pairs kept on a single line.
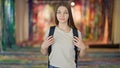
[[75, 33], [51, 32]]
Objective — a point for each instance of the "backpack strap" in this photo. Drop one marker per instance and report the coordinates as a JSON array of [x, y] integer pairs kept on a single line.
[[75, 33], [51, 32]]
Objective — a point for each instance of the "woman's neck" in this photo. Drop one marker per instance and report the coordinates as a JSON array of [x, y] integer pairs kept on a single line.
[[64, 27]]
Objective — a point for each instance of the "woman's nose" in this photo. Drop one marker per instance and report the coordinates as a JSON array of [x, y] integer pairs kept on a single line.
[[62, 14]]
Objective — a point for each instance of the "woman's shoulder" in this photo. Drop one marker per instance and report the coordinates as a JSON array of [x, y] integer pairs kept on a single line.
[[77, 30], [79, 33]]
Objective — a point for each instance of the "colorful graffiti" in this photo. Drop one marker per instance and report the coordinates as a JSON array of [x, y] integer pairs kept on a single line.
[[1, 24], [90, 16], [43, 16], [8, 32], [94, 20]]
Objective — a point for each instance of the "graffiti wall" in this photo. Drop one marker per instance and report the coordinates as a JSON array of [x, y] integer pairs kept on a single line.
[[92, 17]]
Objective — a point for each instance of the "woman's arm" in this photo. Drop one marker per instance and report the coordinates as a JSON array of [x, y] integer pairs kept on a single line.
[[44, 51], [78, 42], [47, 42], [82, 52]]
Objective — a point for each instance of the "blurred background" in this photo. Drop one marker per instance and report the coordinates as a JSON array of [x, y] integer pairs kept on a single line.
[[23, 24]]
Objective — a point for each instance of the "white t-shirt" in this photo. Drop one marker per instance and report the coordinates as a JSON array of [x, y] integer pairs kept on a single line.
[[63, 53]]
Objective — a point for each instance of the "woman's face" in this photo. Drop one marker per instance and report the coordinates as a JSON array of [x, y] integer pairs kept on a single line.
[[62, 14]]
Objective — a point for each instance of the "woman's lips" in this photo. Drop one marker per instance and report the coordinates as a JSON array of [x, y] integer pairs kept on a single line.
[[61, 18]]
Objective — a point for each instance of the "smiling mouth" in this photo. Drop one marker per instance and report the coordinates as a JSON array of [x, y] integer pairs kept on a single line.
[[62, 19]]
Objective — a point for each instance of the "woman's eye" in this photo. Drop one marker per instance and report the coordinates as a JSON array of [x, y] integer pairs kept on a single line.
[[58, 12], [62, 13], [66, 13]]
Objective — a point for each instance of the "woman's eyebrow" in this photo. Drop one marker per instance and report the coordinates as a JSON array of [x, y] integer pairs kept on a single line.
[[64, 11], [58, 10]]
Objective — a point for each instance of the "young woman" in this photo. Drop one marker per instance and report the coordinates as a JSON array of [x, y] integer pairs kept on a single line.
[[63, 42]]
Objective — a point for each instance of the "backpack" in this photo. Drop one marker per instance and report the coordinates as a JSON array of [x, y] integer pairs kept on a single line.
[[51, 33]]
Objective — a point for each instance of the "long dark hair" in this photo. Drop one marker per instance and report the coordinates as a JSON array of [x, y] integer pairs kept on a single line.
[[70, 19]]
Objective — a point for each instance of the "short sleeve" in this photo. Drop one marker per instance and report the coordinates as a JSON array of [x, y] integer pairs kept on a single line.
[[46, 33], [79, 35]]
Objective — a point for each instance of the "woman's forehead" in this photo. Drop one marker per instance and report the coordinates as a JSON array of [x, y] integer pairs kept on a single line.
[[62, 8]]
